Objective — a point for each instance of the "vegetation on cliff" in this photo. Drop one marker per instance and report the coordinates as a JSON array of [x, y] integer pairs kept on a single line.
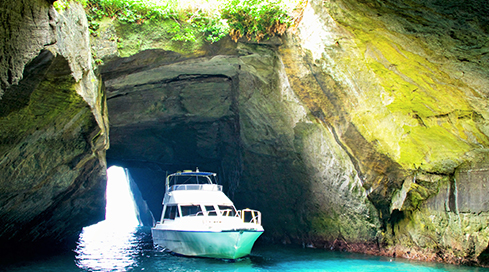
[[191, 20]]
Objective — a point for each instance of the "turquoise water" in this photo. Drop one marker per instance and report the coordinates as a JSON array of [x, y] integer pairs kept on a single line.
[[109, 247]]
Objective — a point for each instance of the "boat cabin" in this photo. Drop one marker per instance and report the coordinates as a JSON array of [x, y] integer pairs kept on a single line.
[[173, 211], [191, 177], [196, 193], [192, 194]]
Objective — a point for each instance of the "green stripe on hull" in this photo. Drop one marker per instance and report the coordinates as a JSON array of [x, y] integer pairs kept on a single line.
[[225, 245]]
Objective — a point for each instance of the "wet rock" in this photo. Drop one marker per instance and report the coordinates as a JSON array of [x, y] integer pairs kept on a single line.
[[236, 115]]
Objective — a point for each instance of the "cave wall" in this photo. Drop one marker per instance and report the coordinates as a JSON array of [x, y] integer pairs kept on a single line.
[[404, 87], [293, 168], [53, 130]]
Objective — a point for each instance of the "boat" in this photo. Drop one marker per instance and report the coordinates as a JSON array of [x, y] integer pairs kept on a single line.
[[199, 220]]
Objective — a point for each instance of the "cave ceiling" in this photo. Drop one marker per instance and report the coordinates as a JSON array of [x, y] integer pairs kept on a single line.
[[170, 114]]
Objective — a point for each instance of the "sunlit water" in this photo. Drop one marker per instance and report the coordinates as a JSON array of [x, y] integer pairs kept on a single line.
[[103, 248], [119, 244]]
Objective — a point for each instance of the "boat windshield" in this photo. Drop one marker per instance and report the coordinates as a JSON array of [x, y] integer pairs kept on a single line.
[[227, 210], [191, 210], [191, 178]]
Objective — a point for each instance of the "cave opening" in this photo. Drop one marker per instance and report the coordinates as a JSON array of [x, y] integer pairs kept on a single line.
[[168, 118], [120, 207], [168, 112], [110, 244]]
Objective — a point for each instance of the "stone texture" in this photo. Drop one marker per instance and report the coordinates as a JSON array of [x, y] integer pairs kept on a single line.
[[22, 21], [407, 98], [53, 131], [361, 119], [236, 115]]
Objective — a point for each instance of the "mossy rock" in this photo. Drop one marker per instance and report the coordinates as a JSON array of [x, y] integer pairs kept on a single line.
[[157, 34]]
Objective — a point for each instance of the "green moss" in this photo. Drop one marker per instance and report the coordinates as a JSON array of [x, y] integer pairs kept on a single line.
[[426, 104], [54, 107], [325, 227], [416, 85], [430, 145], [416, 196], [441, 233], [160, 34]]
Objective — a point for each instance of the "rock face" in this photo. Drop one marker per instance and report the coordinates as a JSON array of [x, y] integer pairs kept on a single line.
[[53, 131], [404, 86]]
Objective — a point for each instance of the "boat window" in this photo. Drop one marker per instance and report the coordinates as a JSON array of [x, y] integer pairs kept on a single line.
[[227, 210], [191, 210], [190, 179], [211, 211], [170, 212]]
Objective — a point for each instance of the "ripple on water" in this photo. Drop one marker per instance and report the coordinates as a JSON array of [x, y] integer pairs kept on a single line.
[[109, 247]]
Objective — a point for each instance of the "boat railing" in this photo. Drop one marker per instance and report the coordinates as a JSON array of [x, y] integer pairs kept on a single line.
[[228, 212], [202, 187], [250, 216]]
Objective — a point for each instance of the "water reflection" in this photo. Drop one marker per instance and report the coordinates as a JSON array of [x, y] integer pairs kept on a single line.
[[113, 244], [107, 247]]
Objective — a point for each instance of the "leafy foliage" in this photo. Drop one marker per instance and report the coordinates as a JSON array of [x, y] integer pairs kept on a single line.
[[131, 11], [256, 18], [212, 26], [250, 18], [61, 5]]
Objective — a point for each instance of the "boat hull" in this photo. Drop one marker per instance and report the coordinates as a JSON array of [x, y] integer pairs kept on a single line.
[[224, 244]]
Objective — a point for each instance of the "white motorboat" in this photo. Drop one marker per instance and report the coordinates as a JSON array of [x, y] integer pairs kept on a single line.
[[198, 219]]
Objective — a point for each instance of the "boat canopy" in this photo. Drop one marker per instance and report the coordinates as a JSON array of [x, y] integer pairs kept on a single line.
[[190, 177], [193, 174], [197, 197]]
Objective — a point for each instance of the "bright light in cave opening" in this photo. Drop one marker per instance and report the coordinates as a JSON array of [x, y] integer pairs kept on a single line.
[[112, 245], [120, 206]]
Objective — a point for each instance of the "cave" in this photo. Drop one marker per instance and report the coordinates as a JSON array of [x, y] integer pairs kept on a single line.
[[167, 125], [369, 115], [163, 125], [221, 112], [231, 111]]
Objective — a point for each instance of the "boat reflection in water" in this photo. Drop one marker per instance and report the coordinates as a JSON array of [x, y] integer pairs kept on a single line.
[[112, 245]]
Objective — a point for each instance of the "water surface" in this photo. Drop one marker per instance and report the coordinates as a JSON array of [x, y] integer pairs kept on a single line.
[[112, 247]]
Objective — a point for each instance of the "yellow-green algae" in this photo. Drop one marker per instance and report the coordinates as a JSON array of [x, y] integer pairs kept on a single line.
[[154, 34], [430, 233], [418, 95], [423, 116], [54, 106]]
